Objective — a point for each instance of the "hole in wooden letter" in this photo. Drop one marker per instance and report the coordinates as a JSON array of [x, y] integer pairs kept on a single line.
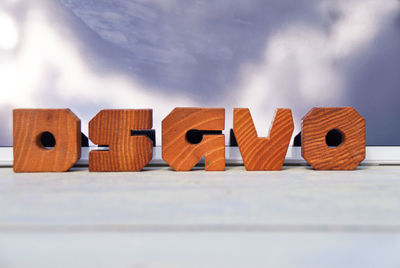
[[195, 136], [46, 140], [334, 138]]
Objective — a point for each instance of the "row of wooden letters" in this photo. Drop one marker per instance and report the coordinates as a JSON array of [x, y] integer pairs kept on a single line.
[[133, 153]]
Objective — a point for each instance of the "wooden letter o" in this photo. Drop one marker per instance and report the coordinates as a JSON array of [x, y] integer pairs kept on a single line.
[[315, 126], [29, 153]]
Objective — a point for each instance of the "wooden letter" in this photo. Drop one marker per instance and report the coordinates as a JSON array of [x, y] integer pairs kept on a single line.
[[28, 127], [182, 155], [126, 152], [315, 126], [263, 153]]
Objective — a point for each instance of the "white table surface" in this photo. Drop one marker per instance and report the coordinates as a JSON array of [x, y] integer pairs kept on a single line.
[[297, 217]]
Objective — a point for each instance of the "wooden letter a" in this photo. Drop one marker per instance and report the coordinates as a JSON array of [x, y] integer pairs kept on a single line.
[[181, 153]]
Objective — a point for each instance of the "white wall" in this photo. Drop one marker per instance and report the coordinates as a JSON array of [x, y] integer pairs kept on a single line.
[[161, 54]]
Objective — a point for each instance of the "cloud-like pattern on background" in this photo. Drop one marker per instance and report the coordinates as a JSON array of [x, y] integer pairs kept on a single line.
[[90, 55]]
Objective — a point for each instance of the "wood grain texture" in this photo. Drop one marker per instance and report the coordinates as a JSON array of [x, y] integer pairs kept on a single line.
[[182, 155], [315, 126], [29, 153], [126, 152], [263, 153]]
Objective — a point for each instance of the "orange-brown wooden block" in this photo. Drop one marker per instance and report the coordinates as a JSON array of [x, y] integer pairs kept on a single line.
[[263, 153], [126, 152], [316, 125], [28, 127], [182, 155]]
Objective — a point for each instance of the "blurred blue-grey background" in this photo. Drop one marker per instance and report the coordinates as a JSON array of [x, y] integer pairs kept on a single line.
[[261, 54]]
